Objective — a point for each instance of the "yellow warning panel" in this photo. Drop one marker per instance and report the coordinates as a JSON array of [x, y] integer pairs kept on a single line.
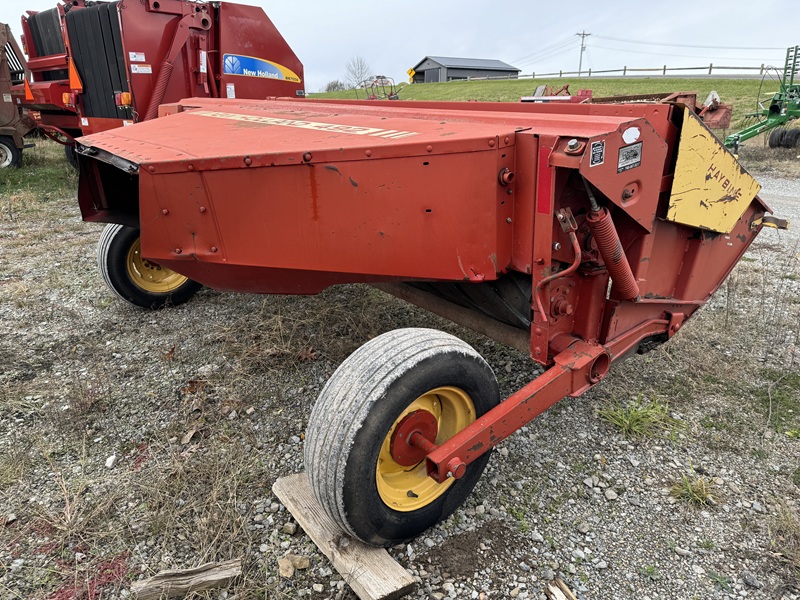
[[710, 190]]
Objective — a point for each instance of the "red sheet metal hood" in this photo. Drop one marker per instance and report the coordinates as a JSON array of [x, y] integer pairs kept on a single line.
[[229, 133]]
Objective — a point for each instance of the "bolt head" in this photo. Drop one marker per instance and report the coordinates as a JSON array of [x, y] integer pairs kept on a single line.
[[573, 144], [557, 246]]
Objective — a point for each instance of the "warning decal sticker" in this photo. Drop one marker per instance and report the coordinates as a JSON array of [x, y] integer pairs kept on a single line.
[[597, 153], [630, 157]]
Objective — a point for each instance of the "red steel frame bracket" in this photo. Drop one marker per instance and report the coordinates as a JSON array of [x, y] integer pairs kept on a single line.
[[576, 369]]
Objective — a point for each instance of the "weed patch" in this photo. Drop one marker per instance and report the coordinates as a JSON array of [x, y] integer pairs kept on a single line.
[[785, 538], [694, 490], [640, 419]]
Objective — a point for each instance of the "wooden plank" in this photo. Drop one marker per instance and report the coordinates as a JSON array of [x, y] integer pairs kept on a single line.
[[369, 571], [558, 590], [175, 584]]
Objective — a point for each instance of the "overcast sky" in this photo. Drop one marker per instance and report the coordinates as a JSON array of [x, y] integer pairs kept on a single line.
[[531, 35]]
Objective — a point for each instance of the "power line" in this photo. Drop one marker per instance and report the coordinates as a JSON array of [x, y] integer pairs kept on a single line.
[[535, 55], [629, 41], [546, 56], [683, 55]]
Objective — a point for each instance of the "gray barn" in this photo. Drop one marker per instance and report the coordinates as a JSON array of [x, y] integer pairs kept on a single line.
[[432, 69]]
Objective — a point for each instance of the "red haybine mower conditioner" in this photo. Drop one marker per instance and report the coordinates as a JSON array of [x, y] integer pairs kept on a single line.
[[101, 65], [579, 234]]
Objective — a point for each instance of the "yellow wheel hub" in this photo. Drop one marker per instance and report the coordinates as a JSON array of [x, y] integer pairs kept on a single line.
[[409, 488], [149, 276]]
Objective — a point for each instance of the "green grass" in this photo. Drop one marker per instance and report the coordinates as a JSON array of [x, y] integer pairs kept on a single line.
[[694, 490], [650, 572], [724, 583], [45, 176], [779, 397], [640, 419], [739, 92]]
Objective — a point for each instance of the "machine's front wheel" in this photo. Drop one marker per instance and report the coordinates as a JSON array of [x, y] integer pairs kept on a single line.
[[136, 279], [369, 481], [10, 155]]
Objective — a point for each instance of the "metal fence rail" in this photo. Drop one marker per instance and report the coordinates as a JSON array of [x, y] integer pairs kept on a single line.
[[629, 71]]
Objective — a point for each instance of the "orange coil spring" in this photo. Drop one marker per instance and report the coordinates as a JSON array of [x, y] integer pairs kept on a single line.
[[159, 90], [605, 235]]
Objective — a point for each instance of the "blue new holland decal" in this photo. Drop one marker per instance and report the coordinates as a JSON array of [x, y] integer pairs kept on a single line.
[[250, 66]]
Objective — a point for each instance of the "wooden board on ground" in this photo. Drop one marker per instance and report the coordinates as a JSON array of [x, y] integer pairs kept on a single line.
[[175, 584], [369, 571], [558, 590]]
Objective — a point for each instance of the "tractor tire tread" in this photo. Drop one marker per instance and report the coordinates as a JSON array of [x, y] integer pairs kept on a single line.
[[111, 263], [348, 397], [14, 152]]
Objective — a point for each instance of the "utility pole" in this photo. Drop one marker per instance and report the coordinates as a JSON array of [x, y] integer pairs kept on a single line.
[[583, 35]]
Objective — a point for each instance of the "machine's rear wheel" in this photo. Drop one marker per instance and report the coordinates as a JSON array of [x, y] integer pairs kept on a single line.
[[136, 279], [10, 155], [368, 481], [791, 138], [776, 138]]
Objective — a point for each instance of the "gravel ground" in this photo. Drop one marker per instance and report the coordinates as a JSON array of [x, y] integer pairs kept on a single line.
[[132, 441]]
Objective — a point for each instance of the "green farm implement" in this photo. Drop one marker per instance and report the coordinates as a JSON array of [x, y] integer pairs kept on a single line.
[[783, 108]]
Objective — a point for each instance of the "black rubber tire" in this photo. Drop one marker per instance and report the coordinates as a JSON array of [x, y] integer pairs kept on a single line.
[[791, 138], [355, 412], [10, 155], [776, 138], [112, 259], [71, 155]]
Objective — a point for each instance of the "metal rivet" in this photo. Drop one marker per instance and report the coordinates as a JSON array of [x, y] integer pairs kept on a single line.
[[491, 143], [508, 220], [164, 211], [368, 152], [213, 248], [506, 140], [190, 167], [178, 251], [429, 149], [307, 157], [151, 169], [202, 209], [537, 351], [247, 161]]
